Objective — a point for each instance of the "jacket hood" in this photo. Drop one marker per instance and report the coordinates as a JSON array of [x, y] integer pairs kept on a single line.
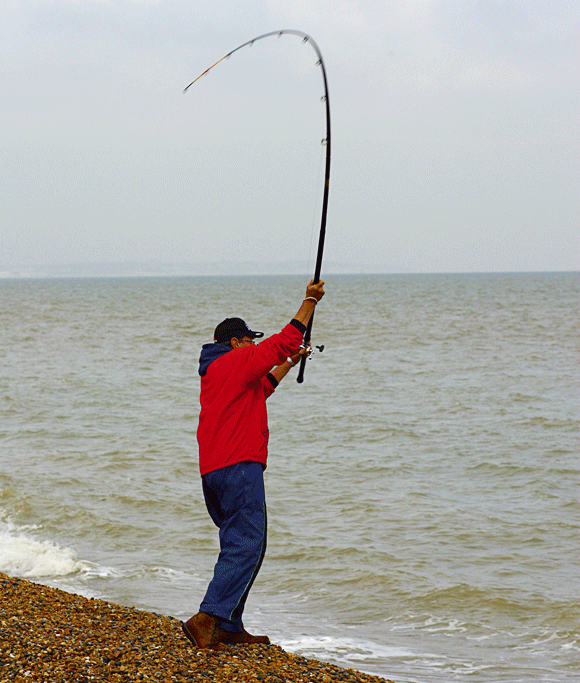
[[209, 353]]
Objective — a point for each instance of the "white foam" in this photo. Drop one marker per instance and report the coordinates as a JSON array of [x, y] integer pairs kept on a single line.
[[343, 648], [29, 558], [166, 573], [21, 555]]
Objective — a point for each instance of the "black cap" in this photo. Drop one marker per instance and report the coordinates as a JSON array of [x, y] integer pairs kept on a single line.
[[233, 327]]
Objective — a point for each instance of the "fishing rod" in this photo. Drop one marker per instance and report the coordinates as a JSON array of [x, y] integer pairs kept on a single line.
[[326, 141]]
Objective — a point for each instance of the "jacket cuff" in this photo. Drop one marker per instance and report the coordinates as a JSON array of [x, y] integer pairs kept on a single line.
[[273, 381], [301, 327]]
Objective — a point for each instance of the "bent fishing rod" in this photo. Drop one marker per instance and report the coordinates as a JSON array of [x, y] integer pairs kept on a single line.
[[326, 141]]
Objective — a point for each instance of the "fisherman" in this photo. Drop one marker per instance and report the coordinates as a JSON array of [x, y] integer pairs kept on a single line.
[[237, 376]]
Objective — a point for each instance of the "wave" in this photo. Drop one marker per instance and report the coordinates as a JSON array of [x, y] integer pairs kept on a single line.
[[21, 554], [345, 651]]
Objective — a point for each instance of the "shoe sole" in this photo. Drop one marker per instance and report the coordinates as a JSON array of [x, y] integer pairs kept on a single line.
[[188, 634]]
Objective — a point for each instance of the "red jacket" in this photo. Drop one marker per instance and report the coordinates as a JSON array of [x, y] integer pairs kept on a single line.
[[235, 383]]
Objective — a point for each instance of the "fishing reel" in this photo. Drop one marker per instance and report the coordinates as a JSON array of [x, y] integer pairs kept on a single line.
[[311, 350], [307, 356]]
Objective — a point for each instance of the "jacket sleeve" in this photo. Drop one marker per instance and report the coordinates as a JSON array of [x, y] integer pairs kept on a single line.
[[261, 358], [269, 382]]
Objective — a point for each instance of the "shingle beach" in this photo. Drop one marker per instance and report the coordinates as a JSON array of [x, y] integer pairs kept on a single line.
[[49, 635]]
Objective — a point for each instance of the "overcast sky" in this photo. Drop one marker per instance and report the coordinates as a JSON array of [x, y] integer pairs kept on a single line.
[[455, 133]]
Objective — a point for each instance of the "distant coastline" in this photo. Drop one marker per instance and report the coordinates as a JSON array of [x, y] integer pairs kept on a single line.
[[152, 269], [217, 269]]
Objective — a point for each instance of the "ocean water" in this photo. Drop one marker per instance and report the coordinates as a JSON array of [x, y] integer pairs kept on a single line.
[[423, 483]]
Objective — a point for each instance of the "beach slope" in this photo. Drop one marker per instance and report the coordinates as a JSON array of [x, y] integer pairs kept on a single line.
[[49, 635]]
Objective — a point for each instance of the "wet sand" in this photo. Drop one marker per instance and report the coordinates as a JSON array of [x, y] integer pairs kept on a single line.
[[49, 635]]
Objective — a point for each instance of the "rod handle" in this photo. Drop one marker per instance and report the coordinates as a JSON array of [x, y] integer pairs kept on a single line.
[[307, 338], [301, 369]]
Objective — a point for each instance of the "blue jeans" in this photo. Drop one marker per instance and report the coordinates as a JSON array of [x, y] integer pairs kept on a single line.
[[236, 502]]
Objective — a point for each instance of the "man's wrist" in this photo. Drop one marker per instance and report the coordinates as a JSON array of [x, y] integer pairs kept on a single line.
[[300, 326]]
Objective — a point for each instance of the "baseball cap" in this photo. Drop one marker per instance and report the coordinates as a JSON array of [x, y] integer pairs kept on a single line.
[[233, 327]]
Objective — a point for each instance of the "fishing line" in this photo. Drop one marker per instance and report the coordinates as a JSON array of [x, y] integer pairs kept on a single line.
[[325, 141]]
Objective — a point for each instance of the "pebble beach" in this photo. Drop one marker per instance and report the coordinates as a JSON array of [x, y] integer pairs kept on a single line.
[[49, 635]]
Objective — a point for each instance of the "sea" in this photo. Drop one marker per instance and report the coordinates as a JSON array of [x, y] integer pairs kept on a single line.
[[423, 483]]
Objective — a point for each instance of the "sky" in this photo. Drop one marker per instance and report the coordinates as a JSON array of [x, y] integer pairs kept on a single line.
[[455, 135]]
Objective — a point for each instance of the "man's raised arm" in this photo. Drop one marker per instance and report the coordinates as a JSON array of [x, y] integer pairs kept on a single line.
[[314, 292]]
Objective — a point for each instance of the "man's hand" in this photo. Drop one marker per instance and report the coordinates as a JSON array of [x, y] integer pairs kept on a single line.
[[282, 370], [315, 290], [302, 352]]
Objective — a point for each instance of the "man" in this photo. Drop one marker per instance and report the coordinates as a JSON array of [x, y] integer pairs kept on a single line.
[[236, 379]]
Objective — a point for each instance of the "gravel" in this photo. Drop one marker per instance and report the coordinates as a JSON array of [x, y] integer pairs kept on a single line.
[[49, 635]]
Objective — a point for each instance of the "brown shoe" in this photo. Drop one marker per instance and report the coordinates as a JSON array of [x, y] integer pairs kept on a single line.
[[203, 630], [243, 637]]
